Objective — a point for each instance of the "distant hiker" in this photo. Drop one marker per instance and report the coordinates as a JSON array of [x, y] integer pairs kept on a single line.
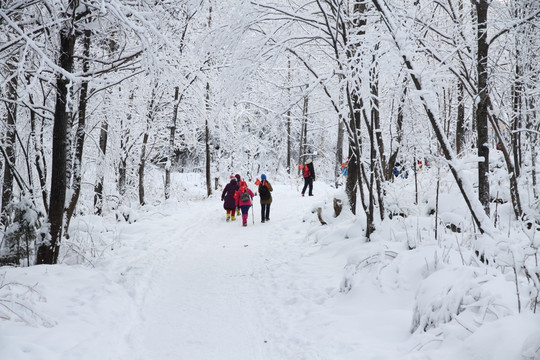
[[400, 170], [345, 168], [396, 170], [228, 197], [243, 200], [238, 179], [265, 188], [308, 172]]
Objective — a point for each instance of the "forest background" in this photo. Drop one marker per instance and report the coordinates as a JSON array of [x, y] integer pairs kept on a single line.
[[98, 94]]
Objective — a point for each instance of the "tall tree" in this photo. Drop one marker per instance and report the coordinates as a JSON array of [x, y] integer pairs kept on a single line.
[[48, 251], [482, 129]]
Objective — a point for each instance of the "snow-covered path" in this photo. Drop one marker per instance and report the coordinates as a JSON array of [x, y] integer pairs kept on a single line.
[[206, 300], [214, 294]]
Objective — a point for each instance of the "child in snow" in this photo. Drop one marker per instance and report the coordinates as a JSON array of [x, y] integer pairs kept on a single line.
[[243, 201], [228, 197], [266, 198]]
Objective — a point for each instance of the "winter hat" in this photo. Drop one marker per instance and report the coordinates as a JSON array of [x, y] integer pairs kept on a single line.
[[308, 161], [237, 176], [263, 177]]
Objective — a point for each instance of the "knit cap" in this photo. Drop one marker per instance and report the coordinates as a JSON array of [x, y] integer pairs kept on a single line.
[[263, 176]]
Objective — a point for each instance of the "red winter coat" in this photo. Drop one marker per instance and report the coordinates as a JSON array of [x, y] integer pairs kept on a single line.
[[238, 195]]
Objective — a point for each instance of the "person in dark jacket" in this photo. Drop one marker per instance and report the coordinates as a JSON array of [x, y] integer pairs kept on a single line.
[[238, 179], [265, 189], [308, 173], [229, 202]]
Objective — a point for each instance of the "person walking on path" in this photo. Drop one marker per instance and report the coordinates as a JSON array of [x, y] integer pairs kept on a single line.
[[308, 173], [227, 196], [265, 189], [243, 200], [238, 179]]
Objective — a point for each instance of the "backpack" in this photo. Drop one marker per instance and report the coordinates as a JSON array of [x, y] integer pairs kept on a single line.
[[306, 172], [264, 192], [244, 196]]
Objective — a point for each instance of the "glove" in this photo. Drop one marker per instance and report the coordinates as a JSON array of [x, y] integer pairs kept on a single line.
[[221, 199]]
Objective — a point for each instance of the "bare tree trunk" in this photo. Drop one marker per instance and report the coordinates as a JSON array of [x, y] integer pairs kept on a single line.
[[9, 139], [98, 188], [533, 167], [375, 113], [143, 156], [48, 251], [517, 90], [460, 120], [142, 168], [303, 134], [355, 105], [381, 164], [354, 180], [399, 132], [79, 136], [289, 140], [206, 128], [370, 221], [482, 103], [339, 147], [207, 143], [39, 157], [103, 139], [126, 145], [172, 134]]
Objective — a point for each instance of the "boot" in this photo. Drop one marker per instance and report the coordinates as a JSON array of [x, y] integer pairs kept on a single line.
[[228, 217], [233, 218], [244, 219]]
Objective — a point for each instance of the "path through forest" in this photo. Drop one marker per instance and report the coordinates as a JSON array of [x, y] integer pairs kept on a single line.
[[220, 291]]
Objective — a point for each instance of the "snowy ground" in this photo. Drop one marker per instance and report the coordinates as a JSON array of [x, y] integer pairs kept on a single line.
[[181, 283]]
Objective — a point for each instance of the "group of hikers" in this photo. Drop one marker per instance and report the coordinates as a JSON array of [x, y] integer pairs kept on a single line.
[[237, 196]]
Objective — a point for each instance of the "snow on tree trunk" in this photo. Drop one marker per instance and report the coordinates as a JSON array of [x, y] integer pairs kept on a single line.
[[48, 251]]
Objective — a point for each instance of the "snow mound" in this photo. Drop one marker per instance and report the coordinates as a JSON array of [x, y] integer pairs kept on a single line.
[[466, 295]]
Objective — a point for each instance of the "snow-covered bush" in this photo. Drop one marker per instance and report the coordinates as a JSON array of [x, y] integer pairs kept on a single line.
[[17, 303], [467, 295], [22, 231], [87, 241]]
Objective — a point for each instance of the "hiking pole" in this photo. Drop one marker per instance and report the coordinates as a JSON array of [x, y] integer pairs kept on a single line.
[[253, 214]]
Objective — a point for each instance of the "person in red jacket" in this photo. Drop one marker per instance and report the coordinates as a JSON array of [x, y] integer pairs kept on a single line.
[[243, 200], [308, 172]]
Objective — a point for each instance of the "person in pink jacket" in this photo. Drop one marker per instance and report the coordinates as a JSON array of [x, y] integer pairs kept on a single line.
[[243, 200]]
